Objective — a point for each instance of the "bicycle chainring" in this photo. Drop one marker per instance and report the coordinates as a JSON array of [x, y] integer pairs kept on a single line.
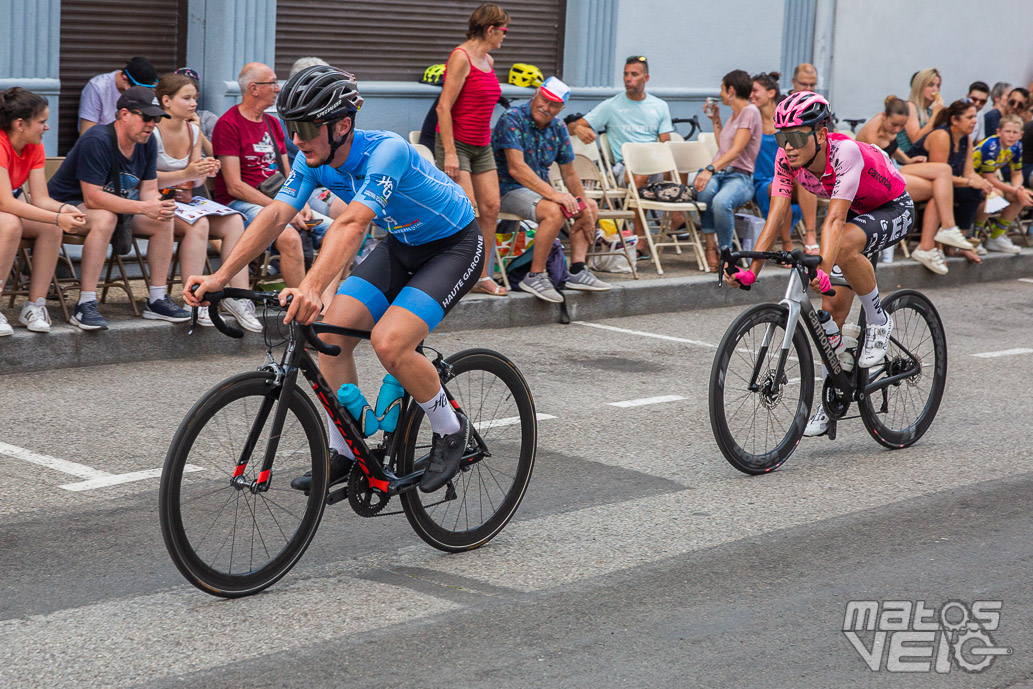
[[835, 402], [366, 501]]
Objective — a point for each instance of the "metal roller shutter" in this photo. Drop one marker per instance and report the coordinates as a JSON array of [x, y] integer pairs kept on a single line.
[[395, 40], [99, 37]]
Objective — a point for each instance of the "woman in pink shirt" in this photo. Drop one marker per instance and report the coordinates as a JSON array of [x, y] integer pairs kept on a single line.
[[462, 147], [23, 121]]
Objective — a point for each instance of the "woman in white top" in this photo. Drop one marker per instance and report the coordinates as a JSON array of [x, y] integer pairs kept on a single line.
[[180, 164]]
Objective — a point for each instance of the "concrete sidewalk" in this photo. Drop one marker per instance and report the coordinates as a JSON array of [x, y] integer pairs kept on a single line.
[[682, 287]]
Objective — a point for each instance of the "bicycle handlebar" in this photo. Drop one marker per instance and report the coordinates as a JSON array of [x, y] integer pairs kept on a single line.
[[796, 258], [694, 121], [213, 299]]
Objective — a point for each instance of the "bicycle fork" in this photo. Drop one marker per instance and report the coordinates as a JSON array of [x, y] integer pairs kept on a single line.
[[261, 484]]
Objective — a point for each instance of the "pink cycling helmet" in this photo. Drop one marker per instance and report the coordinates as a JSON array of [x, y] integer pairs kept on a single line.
[[802, 109]]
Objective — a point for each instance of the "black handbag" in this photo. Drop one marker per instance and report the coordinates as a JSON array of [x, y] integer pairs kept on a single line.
[[270, 186], [122, 237], [667, 192]]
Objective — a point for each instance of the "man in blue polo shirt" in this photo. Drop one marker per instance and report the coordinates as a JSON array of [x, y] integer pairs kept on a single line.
[[527, 140]]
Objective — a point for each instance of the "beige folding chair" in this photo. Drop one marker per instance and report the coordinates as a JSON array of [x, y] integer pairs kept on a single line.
[[610, 190], [709, 140], [676, 137], [592, 183], [414, 136], [423, 150], [652, 159]]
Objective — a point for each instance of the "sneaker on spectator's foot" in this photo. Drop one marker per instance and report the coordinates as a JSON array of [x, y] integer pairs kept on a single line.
[[952, 237], [876, 342], [540, 286], [340, 467], [203, 318], [446, 451], [585, 280], [35, 317], [931, 259], [1002, 244], [5, 327], [244, 311], [87, 316], [819, 423], [164, 310]]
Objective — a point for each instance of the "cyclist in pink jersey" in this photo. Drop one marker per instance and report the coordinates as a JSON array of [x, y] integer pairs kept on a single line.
[[869, 210]]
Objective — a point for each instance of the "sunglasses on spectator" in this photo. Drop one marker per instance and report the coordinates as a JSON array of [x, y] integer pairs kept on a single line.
[[264, 83], [1017, 103], [147, 119], [978, 101], [796, 139], [501, 28], [137, 83], [189, 73], [305, 130]]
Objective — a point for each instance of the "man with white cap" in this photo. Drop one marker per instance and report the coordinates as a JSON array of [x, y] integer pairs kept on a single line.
[[527, 140]]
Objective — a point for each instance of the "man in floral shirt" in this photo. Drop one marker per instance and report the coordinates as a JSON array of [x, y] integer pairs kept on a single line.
[[527, 140]]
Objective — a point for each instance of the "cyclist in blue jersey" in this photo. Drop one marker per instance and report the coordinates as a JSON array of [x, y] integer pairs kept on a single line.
[[431, 257]]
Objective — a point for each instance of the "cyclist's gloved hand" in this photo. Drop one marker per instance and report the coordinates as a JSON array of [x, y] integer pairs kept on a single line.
[[824, 284], [745, 277]]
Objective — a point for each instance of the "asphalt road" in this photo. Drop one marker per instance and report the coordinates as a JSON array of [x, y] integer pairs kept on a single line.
[[639, 556]]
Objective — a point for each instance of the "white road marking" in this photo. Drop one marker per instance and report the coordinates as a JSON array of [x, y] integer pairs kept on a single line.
[[1025, 279], [482, 426], [62, 465], [115, 479], [646, 400], [1003, 352], [645, 334]]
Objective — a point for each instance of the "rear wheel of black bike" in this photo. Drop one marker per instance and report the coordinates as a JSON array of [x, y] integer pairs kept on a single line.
[[474, 507], [225, 539], [899, 414], [757, 430]]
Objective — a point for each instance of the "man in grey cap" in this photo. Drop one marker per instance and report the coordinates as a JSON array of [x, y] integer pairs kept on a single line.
[[97, 104], [85, 180]]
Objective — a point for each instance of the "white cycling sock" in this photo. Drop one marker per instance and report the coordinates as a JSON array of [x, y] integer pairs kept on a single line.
[[337, 441], [87, 296], [443, 419], [873, 312], [156, 293]]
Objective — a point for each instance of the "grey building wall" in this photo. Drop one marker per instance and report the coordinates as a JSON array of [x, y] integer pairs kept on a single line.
[[28, 52]]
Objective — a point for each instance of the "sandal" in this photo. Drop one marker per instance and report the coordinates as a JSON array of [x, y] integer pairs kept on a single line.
[[710, 251], [970, 255], [812, 249], [495, 289]]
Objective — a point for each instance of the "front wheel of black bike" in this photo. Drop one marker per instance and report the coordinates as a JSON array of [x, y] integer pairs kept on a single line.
[[758, 429], [225, 538], [900, 413], [475, 506]]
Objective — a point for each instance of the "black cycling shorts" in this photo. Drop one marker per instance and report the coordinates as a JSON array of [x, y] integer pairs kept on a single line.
[[426, 280], [884, 226]]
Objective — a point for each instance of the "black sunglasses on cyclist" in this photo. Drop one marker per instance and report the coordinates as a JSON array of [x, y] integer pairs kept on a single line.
[[796, 139], [305, 130]]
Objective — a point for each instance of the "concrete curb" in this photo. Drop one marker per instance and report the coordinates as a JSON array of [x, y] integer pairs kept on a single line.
[[136, 339]]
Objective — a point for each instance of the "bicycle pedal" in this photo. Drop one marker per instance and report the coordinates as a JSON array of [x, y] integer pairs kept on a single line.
[[336, 496]]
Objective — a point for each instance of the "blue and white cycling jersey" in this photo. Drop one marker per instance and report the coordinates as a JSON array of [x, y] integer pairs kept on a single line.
[[412, 199]]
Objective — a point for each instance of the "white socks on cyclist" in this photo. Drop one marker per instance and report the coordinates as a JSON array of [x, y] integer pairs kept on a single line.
[[337, 441], [873, 313], [443, 419]]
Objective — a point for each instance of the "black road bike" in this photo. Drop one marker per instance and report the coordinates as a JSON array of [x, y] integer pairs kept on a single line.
[[231, 521], [762, 379]]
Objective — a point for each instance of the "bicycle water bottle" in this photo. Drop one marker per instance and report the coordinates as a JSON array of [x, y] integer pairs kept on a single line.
[[352, 399], [851, 333], [831, 330], [389, 402]]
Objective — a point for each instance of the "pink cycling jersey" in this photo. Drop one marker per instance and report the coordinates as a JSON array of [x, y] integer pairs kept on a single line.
[[859, 172]]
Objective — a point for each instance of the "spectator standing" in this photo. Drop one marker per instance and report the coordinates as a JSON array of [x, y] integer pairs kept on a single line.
[[527, 140], [1003, 152], [98, 103], [181, 164], [85, 180], [805, 78], [979, 96], [949, 143], [23, 121], [766, 96], [251, 150], [727, 182], [462, 147], [923, 104], [925, 181]]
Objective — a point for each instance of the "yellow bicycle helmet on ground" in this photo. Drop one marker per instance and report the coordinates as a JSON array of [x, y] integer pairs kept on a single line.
[[521, 74], [433, 74]]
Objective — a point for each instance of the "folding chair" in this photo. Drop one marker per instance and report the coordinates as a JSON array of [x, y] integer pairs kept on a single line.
[[709, 140], [651, 159], [104, 284], [676, 137], [19, 285], [610, 190], [592, 182], [414, 137], [423, 150]]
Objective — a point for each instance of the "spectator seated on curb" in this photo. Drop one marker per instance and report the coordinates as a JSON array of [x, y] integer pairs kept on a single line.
[[98, 103], [250, 147], [180, 165], [23, 121], [1003, 152], [85, 180], [527, 140]]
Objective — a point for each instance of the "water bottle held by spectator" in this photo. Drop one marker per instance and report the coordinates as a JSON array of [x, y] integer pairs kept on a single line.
[[352, 399], [389, 402]]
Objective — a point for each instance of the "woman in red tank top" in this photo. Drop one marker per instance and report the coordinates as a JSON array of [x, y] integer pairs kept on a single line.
[[462, 146]]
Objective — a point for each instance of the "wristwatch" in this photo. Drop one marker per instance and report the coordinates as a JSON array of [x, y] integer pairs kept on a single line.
[[709, 168]]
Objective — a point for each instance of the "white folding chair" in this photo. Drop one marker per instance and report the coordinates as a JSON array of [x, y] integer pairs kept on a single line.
[[709, 140], [423, 151], [592, 183], [414, 136]]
